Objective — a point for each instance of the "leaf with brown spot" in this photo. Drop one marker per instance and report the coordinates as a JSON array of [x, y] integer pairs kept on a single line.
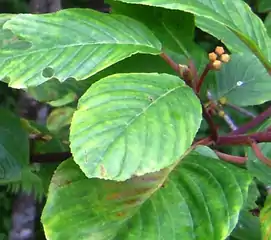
[[135, 208]]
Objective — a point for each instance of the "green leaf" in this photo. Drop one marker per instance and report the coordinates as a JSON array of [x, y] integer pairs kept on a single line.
[[248, 226], [73, 43], [54, 92], [132, 124], [265, 218], [175, 30], [233, 14], [243, 81], [14, 147], [255, 166], [59, 121], [201, 200], [267, 23], [59, 118], [264, 5], [223, 33]]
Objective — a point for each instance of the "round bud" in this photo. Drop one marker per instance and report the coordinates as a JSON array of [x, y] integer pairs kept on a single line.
[[217, 64], [212, 56], [225, 58], [219, 50], [223, 100], [221, 113]]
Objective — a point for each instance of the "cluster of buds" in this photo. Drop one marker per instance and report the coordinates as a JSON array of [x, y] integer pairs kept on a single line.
[[217, 57]]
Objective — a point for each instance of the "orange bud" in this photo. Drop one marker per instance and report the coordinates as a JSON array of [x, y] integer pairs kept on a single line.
[[217, 64], [225, 58], [219, 50], [212, 56]]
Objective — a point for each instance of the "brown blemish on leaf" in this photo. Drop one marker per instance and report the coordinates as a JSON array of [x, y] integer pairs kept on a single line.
[[133, 202], [102, 170], [113, 196], [150, 98], [120, 214]]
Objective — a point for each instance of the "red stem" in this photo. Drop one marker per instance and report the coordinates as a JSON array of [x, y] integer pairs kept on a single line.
[[231, 158], [253, 123], [259, 154], [171, 63], [202, 77], [244, 139]]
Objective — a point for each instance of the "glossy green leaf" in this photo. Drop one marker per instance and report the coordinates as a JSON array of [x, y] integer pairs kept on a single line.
[[73, 43], [265, 218], [201, 199], [132, 124], [14, 147], [233, 14], [243, 81], [255, 166]]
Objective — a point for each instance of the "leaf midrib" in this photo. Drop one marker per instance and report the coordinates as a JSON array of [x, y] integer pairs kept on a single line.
[[132, 120]]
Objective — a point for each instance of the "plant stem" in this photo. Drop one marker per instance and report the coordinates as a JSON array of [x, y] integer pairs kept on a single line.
[[253, 123], [202, 77], [231, 158], [170, 62], [244, 139], [259, 154], [209, 120]]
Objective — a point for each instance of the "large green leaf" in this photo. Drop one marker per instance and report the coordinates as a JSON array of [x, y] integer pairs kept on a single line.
[[201, 199], [255, 166], [132, 124], [234, 14], [265, 218], [243, 81], [14, 147], [73, 43]]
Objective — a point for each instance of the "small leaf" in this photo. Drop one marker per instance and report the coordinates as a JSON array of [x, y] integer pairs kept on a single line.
[[243, 81], [132, 124], [265, 218], [201, 199], [255, 166], [14, 148], [59, 118], [73, 43]]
